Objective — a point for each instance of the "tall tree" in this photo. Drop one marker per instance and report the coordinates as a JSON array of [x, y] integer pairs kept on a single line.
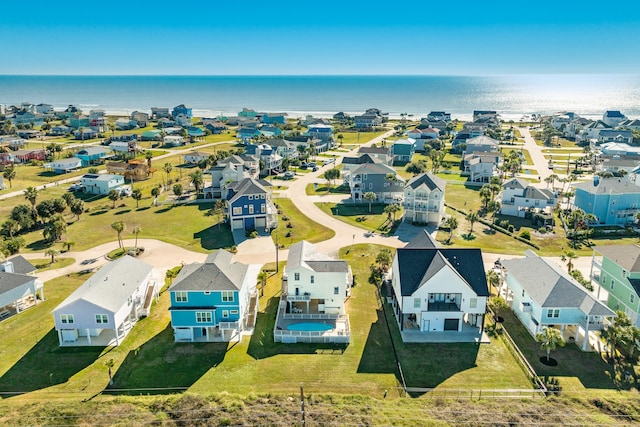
[[10, 228], [332, 174], [155, 192], [119, 227], [550, 339], [9, 174], [370, 197], [393, 209], [568, 256], [218, 209], [197, 179], [52, 252], [77, 207], [472, 217], [54, 228], [31, 194], [136, 195], [262, 278], [113, 195], [452, 223], [167, 168], [136, 231], [486, 194]]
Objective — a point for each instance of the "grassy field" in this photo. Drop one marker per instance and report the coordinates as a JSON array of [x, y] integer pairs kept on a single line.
[[323, 189], [357, 138], [360, 216], [303, 227], [45, 263]]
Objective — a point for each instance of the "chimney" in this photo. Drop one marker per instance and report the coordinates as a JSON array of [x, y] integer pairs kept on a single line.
[[7, 267]]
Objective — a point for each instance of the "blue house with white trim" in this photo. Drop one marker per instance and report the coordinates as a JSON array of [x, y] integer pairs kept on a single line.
[[92, 155], [273, 118], [614, 201], [249, 206], [215, 300], [182, 109]]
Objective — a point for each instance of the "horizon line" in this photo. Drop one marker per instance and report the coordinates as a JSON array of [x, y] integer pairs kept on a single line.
[[322, 75]]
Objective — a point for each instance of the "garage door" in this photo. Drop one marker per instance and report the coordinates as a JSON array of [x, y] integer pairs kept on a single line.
[[261, 223], [451, 324], [237, 224], [69, 335], [183, 334]]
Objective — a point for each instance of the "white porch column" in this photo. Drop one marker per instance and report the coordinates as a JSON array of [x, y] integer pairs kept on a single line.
[[586, 336], [60, 337], [88, 336]]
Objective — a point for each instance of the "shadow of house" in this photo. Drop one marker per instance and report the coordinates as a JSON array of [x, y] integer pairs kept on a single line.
[[161, 366], [262, 345], [215, 237], [45, 365], [377, 353]]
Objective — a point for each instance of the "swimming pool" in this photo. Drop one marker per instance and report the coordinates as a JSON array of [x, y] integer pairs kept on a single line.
[[309, 326]]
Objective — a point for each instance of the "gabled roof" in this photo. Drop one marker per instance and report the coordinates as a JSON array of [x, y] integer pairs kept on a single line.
[[374, 150], [217, 273], [532, 192], [88, 151], [365, 158], [422, 240], [482, 140], [418, 265], [21, 265], [614, 113], [246, 186], [516, 183], [10, 281], [626, 256], [431, 181], [551, 286], [305, 254], [612, 185], [376, 168], [112, 285]]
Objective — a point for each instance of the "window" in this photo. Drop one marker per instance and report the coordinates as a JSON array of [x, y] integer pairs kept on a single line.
[[611, 283], [632, 298], [102, 318], [237, 211], [370, 186], [250, 209], [624, 273], [207, 292], [523, 293], [181, 296], [364, 177], [234, 312], [203, 317], [262, 208], [66, 318], [473, 303], [250, 196], [227, 296], [336, 290], [312, 279], [225, 314], [262, 196], [416, 303], [296, 276], [553, 313]]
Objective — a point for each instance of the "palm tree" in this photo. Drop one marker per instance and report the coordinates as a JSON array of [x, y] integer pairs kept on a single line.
[[148, 155], [136, 195], [167, 168], [31, 194], [119, 227], [109, 364], [370, 197], [136, 231], [9, 174], [392, 209], [549, 338], [493, 278], [485, 193], [52, 252], [262, 278], [452, 223], [77, 207], [113, 195], [472, 217], [155, 192], [197, 179], [218, 208], [568, 256]]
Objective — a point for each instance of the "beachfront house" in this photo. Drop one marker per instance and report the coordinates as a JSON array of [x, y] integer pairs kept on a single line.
[[19, 288], [435, 289], [141, 118], [616, 268], [182, 109], [376, 178], [159, 113], [273, 118], [249, 206], [320, 131], [367, 121], [613, 201], [100, 183], [552, 298], [104, 309], [423, 201], [92, 155], [125, 124], [64, 165], [520, 198], [613, 117], [215, 300], [315, 288]]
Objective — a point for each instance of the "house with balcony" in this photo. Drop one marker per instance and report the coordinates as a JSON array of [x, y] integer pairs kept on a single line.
[[439, 115], [182, 109], [228, 171], [158, 113], [437, 290], [104, 309], [125, 124], [423, 201], [613, 201], [320, 131], [64, 165], [384, 153], [215, 300], [315, 288], [92, 155], [374, 178], [616, 268], [85, 133], [249, 206], [519, 197], [551, 297], [481, 166], [613, 117], [403, 150], [367, 121], [271, 160], [19, 288], [101, 183], [141, 118], [481, 144], [615, 135]]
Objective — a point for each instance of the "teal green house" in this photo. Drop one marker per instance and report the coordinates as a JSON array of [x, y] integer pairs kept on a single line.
[[617, 269], [215, 300]]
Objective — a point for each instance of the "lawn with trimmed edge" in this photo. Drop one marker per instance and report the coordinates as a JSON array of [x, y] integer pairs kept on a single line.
[[359, 215], [303, 228]]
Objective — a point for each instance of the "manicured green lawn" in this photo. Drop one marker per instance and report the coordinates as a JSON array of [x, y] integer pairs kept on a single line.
[[45, 263], [357, 138], [303, 227], [322, 189], [359, 215]]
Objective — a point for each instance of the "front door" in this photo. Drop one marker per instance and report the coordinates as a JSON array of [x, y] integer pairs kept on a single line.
[[451, 324], [425, 325]]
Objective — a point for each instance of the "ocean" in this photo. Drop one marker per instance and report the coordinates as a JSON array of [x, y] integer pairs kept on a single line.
[[512, 96]]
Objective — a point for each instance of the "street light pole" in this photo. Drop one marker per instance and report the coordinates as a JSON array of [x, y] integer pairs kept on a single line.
[[277, 250]]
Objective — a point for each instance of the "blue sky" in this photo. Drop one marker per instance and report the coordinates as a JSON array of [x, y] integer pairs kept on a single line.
[[210, 37]]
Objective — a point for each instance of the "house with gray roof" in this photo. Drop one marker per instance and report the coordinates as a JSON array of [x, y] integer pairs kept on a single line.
[[438, 290], [552, 298], [613, 117], [481, 144], [104, 309], [19, 288], [423, 201], [375, 178], [519, 198], [249, 206], [615, 135], [315, 288], [215, 300], [613, 201]]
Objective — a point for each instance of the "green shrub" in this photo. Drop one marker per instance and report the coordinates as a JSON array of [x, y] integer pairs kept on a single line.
[[525, 234]]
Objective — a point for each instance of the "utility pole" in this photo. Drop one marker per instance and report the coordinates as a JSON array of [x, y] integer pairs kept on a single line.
[[277, 250], [302, 404]]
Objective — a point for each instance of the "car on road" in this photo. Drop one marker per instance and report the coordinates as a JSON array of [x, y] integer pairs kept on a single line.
[[75, 187], [329, 161], [289, 174]]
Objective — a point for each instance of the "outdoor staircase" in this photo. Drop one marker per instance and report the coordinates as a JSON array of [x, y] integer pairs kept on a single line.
[[251, 318]]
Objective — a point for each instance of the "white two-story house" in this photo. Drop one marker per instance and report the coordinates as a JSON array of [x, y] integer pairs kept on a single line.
[[518, 197], [423, 201]]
